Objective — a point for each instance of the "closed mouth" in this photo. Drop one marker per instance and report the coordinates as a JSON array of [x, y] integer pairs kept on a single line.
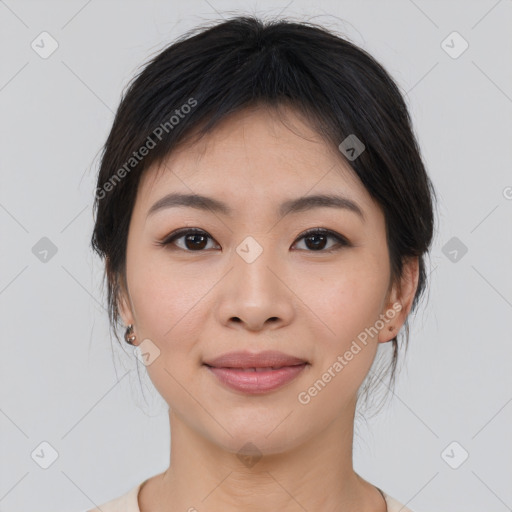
[[256, 369]]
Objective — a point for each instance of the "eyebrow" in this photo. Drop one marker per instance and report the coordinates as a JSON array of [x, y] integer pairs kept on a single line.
[[301, 204]]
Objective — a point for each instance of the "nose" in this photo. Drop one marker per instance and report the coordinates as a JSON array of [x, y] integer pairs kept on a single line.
[[254, 295]]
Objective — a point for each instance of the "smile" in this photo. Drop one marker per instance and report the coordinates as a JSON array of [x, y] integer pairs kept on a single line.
[[257, 380]]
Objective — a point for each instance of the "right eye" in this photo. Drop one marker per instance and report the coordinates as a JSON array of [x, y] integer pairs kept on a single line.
[[194, 240]]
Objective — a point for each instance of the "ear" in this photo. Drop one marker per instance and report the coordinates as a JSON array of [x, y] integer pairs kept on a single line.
[[399, 300], [124, 303]]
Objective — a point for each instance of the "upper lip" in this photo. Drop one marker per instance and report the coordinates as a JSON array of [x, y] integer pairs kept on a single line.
[[244, 359]]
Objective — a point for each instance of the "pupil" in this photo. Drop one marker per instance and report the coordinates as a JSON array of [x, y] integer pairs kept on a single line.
[[189, 238], [319, 241], [316, 245]]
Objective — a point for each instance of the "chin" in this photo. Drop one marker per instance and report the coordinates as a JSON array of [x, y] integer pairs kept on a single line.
[[250, 440]]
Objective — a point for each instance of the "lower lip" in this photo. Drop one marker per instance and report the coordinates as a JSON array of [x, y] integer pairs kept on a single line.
[[256, 382]]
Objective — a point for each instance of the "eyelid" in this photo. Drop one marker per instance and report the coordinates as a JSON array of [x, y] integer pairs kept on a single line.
[[327, 232], [181, 232], [341, 240]]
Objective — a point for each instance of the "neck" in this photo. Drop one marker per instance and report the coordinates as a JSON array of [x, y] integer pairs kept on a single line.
[[316, 476]]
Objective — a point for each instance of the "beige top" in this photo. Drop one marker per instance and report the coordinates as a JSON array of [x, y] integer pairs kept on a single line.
[[129, 503]]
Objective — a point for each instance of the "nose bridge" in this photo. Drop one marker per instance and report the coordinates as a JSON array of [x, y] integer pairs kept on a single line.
[[253, 292], [255, 264]]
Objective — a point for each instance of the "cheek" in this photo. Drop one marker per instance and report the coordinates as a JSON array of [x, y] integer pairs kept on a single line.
[[166, 306], [349, 299], [164, 297], [349, 305]]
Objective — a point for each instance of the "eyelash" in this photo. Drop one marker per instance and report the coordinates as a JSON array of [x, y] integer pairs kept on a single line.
[[180, 233]]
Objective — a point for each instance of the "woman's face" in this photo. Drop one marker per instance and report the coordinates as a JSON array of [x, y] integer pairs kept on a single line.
[[253, 282]]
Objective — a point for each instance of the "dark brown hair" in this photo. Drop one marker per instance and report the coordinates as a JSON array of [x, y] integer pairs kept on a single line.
[[244, 62]]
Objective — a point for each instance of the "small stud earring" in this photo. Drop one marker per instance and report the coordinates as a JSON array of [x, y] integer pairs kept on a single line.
[[129, 335]]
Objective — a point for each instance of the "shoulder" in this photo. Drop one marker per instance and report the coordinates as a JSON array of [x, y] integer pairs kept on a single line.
[[126, 503], [394, 505]]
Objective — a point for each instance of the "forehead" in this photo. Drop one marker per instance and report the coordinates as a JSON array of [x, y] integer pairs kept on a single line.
[[255, 154]]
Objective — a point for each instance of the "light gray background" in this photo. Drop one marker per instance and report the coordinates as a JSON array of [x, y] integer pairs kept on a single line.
[[60, 380]]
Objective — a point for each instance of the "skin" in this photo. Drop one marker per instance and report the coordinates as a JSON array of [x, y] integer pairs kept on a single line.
[[195, 304]]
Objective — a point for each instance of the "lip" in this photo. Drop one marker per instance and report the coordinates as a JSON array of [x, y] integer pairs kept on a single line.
[[255, 382], [244, 359], [237, 371]]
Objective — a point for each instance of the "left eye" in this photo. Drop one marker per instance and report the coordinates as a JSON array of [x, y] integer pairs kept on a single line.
[[318, 239], [195, 240]]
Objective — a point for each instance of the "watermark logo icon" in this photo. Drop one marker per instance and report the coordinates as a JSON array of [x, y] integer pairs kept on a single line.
[[44, 45], [454, 455], [454, 45], [44, 250], [44, 455], [146, 352], [351, 147], [249, 454], [454, 249], [249, 250]]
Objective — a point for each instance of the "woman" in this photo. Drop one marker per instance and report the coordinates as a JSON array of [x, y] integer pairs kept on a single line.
[[264, 213]]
